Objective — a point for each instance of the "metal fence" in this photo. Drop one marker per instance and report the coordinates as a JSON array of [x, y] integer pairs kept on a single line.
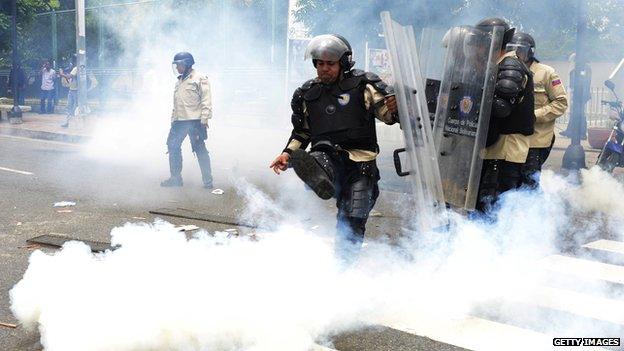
[[597, 114]]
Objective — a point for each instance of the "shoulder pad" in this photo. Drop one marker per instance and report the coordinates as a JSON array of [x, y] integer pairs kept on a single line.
[[377, 83], [313, 93], [372, 77], [308, 85], [357, 72]]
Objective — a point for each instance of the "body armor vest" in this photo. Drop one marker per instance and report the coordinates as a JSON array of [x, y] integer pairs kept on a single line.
[[337, 113]]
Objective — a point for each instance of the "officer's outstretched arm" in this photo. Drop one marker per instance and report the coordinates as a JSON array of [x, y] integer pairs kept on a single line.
[[511, 80]]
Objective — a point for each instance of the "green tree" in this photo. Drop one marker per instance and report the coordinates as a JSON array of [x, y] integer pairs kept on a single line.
[[552, 23], [26, 11]]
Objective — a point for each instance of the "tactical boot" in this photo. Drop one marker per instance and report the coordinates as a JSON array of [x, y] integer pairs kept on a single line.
[[172, 182], [312, 174]]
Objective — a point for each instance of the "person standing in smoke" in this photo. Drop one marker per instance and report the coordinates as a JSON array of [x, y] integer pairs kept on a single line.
[[511, 123], [47, 88], [71, 79], [335, 114], [551, 102], [192, 108]]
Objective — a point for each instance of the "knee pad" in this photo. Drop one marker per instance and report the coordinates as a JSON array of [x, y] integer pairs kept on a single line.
[[358, 200]]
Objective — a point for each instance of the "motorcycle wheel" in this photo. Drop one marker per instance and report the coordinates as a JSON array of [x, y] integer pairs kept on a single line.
[[608, 161]]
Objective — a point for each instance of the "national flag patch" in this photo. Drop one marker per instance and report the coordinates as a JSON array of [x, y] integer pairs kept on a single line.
[[556, 82]]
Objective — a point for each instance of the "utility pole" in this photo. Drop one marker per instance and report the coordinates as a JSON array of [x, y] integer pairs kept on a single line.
[[15, 116], [574, 156], [81, 56]]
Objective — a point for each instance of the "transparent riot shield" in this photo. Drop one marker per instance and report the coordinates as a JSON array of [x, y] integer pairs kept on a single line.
[[431, 52], [463, 110], [422, 166]]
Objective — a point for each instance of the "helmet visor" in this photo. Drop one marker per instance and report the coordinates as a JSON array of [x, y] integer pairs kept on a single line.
[[522, 50], [326, 47], [175, 66]]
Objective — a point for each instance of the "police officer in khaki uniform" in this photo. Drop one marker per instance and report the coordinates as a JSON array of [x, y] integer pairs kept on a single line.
[[511, 123], [551, 102], [192, 108], [335, 113]]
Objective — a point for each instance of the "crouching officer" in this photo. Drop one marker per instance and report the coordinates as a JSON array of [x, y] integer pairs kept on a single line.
[[511, 123], [335, 113], [192, 108], [551, 102]]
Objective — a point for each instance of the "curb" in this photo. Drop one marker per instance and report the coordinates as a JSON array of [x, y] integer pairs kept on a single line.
[[37, 134]]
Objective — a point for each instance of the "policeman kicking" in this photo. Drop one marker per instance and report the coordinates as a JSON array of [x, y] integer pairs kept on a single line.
[[192, 108], [335, 114]]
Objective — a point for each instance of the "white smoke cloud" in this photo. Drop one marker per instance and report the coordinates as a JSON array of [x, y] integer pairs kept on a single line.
[[160, 290]]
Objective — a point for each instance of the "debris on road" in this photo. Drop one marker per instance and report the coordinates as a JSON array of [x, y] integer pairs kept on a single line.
[[64, 211], [30, 247], [186, 228], [218, 192], [8, 325], [18, 223], [64, 204], [141, 218]]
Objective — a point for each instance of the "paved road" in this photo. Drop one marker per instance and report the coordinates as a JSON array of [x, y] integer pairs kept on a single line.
[[35, 174]]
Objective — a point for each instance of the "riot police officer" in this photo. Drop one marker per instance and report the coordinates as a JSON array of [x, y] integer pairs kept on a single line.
[[192, 108], [551, 102], [511, 123], [335, 114]]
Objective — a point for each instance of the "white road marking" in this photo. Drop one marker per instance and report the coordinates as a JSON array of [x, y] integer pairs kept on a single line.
[[15, 171], [596, 307], [482, 335], [607, 245], [38, 140], [584, 268]]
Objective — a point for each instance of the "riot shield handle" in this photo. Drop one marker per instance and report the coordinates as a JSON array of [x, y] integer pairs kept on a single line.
[[397, 163]]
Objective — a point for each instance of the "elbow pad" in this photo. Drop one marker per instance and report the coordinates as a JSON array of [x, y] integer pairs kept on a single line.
[[501, 108], [510, 79]]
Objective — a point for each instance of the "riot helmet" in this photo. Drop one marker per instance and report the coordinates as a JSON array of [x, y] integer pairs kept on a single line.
[[330, 47], [524, 46], [488, 25], [182, 58]]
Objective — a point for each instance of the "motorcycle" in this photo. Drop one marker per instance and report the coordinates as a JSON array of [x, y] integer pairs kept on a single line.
[[612, 154]]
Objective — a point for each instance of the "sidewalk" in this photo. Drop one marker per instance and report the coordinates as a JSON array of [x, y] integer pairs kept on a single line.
[[48, 127]]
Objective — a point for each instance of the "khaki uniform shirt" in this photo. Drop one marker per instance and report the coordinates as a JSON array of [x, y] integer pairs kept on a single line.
[[551, 101], [73, 81], [191, 98], [372, 97], [509, 147]]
